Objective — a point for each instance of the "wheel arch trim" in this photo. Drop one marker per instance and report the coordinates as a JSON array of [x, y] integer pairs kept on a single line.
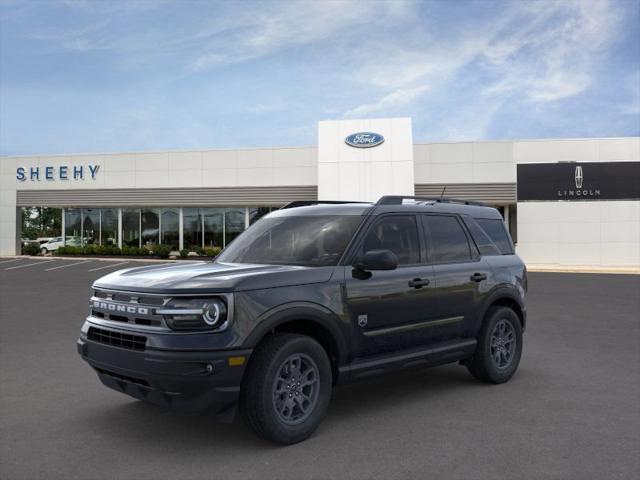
[[313, 313], [506, 296]]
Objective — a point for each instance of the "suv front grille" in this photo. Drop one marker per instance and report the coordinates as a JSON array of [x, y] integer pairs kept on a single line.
[[117, 339], [131, 308]]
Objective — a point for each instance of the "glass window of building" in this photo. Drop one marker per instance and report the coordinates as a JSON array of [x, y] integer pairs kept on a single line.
[[234, 223], [90, 226], [192, 228], [109, 226], [72, 227], [131, 227], [255, 213], [170, 227], [150, 221], [213, 227]]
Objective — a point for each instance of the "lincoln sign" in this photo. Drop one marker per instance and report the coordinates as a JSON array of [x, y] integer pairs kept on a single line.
[[575, 181]]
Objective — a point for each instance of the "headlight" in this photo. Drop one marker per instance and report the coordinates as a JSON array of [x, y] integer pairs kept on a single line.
[[195, 313]]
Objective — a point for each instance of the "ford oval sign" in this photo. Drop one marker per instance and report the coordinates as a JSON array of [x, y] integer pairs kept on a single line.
[[364, 139]]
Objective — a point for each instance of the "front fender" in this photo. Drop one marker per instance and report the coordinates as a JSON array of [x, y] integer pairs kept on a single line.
[[308, 311]]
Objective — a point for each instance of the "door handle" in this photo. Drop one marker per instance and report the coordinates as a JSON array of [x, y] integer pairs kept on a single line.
[[418, 283], [478, 277]]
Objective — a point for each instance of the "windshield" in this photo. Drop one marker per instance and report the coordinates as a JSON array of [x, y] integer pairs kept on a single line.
[[313, 241]]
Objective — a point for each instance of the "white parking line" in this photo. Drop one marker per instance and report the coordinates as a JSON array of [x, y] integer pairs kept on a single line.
[[9, 261], [30, 264], [107, 266], [65, 266]]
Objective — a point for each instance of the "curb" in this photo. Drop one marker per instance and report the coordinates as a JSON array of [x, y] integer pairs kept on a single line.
[[593, 270]]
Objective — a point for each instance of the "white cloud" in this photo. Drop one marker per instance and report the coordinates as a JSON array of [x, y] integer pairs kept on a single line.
[[538, 51], [396, 99], [553, 56], [288, 25]]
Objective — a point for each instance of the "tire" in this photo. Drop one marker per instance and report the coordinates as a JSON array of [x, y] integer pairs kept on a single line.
[[497, 363], [44, 251], [275, 409]]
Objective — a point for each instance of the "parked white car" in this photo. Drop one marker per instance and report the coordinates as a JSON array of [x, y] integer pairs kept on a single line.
[[56, 242], [37, 241]]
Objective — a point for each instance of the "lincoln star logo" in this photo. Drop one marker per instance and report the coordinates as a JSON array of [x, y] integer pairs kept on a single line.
[[580, 191], [364, 139], [579, 177], [119, 307]]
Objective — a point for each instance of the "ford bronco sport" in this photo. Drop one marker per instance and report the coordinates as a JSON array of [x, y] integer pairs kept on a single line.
[[312, 295]]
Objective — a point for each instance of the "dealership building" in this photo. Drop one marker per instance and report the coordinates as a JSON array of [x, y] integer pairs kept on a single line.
[[567, 202]]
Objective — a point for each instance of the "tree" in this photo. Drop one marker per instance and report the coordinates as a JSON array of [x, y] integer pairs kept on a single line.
[[41, 222]]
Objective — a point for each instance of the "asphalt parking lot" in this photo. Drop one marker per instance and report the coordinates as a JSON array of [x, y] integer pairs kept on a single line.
[[571, 411]]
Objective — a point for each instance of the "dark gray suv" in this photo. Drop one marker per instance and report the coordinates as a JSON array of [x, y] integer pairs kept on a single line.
[[313, 295]]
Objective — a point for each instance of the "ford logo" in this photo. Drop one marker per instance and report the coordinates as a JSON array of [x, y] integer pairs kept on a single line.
[[364, 139]]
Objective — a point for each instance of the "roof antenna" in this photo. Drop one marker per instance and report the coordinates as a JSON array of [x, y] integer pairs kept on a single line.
[[442, 194]]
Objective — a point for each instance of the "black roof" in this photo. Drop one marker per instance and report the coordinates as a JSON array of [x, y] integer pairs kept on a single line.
[[389, 204]]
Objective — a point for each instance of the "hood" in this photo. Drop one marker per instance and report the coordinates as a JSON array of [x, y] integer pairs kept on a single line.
[[194, 277]]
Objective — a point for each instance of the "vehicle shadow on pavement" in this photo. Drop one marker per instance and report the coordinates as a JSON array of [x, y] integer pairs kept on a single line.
[[388, 394]]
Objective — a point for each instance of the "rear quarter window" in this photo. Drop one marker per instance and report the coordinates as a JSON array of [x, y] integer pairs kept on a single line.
[[497, 232], [485, 245]]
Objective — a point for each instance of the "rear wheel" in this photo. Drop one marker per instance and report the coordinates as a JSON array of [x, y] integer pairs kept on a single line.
[[499, 347], [287, 388]]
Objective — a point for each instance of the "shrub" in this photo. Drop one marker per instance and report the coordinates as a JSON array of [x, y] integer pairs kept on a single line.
[[31, 249], [93, 250], [212, 252], [184, 252], [162, 251]]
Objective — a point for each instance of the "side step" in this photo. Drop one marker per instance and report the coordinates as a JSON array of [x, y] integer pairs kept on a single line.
[[436, 354]]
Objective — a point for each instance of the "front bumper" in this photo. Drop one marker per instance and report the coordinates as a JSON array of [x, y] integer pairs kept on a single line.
[[185, 380]]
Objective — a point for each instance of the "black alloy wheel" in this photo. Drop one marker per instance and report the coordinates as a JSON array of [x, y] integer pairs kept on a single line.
[[286, 390], [499, 346]]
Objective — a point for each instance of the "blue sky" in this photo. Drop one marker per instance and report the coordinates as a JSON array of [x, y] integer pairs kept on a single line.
[[89, 76]]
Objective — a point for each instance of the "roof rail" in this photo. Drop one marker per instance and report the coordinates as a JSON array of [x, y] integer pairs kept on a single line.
[[397, 200], [306, 203]]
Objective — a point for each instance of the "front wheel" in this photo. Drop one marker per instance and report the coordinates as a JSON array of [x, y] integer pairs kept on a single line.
[[499, 347], [44, 251], [287, 388]]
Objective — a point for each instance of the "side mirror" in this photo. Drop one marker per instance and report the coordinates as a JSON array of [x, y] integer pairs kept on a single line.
[[377, 260]]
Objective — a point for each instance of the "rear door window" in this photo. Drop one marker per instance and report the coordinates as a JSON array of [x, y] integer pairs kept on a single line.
[[448, 242]]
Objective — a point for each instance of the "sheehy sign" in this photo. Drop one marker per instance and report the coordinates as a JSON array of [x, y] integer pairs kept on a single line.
[[576, 181], [60, 172]]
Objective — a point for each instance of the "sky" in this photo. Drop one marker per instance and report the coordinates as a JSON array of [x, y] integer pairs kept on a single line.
[[83, 76]]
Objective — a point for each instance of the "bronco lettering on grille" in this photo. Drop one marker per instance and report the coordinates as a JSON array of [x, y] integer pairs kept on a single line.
[[118, 307]]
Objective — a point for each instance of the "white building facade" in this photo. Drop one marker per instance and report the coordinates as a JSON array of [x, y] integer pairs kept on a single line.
[[567, 202]]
